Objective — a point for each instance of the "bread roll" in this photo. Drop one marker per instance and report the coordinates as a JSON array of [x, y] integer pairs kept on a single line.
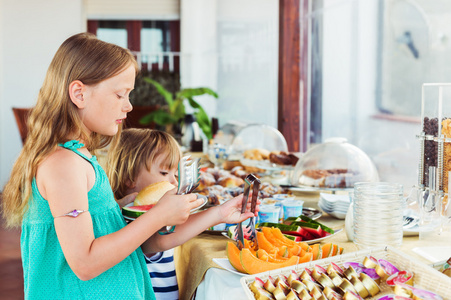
[[152, 193], [230, 181]]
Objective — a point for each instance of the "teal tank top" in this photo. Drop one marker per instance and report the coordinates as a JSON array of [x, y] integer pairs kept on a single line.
[[46, 272]]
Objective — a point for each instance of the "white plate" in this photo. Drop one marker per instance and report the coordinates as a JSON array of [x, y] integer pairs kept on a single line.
[[194, 210], [433, 254], [224, 263], [308, 242]]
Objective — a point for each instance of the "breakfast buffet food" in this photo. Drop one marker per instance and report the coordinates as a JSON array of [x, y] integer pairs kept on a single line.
[[222, 185], [349, 280], [152, 193], [275, 157], [332, 178], [283, 158], [275, 250]]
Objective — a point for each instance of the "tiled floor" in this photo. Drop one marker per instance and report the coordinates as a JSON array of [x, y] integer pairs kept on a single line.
[[11, 275]]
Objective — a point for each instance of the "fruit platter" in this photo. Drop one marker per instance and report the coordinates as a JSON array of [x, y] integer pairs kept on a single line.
[[376, 274], [279, 245]]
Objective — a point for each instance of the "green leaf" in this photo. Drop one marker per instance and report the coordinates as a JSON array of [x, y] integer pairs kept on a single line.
[[192, 92], [204, 122], [178, 110], [160, 117], [164, 92], [193, 103]]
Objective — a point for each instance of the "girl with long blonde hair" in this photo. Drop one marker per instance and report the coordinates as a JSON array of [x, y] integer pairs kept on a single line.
[[75, 243]]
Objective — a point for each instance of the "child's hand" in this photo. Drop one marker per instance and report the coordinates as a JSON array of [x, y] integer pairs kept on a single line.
[[230, 211], [177, 208], [127, 199]]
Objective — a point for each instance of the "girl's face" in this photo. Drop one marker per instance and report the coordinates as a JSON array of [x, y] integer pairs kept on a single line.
[[107, 103], [157, 173]]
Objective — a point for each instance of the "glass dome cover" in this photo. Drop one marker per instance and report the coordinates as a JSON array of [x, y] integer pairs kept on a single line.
[[334, 164], [259, 136]]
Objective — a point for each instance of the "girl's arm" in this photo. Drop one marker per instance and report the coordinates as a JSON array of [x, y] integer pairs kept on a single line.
[[228, 212], [64, 179]]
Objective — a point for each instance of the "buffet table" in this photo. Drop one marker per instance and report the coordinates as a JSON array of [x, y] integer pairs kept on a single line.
[[200, 278]]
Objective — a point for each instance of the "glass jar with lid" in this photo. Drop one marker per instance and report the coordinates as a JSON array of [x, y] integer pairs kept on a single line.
[[334, 164]]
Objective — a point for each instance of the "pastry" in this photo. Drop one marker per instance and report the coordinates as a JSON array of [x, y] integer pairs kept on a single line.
[[256, 154], [152, 193]]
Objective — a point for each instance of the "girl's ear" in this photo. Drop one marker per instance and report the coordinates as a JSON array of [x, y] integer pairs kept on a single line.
[[76, 93]]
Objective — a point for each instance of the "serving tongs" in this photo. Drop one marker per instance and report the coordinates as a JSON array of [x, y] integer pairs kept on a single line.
[[188, 181], [249, 182], [189, 175]]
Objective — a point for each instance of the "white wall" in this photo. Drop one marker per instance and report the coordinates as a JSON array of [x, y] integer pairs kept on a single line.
[[30, 33]]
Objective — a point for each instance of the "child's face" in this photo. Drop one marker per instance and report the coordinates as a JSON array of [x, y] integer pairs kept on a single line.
[[107, 103], [157, 173]]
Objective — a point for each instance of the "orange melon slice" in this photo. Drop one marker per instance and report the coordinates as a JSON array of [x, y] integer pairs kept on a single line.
[[335, 250], [293, 248], [266, 245], [279, 235], [308, 256], [316, 251], [326, 250], [262, 254], [233, 254], [253, 265]]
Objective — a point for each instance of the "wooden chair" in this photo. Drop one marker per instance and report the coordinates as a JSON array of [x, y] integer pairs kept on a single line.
[[21, 115]]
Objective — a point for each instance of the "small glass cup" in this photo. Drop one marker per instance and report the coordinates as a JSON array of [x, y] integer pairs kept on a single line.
[[268, 213], [292, 208], [218, 154]]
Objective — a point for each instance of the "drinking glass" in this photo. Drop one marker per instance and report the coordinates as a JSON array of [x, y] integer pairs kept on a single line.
[[378, 214], [218, 154]]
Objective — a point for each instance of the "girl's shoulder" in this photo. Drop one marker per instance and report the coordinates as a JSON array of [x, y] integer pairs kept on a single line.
[[61, 167]]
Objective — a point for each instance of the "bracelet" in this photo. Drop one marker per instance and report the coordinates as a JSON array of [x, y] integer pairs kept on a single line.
[[166, 230], [74, 213]]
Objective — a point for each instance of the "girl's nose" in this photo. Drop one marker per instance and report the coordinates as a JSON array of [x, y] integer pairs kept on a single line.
[[128, 106]]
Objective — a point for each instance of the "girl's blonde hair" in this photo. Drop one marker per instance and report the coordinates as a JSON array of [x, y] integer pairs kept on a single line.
[[136, 149], [54, 118]]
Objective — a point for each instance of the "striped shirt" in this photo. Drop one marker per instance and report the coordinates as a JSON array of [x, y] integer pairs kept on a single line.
[[161, 269]]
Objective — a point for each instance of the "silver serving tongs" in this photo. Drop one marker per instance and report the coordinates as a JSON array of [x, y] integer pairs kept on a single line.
[[188, 181], [254, 182], [188, 175]]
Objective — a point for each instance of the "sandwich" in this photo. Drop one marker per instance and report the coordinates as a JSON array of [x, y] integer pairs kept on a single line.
[[152, 193]]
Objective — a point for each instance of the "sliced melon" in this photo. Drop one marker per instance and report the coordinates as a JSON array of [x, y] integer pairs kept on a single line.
[[135, 211], [253, 265], [233, 254]]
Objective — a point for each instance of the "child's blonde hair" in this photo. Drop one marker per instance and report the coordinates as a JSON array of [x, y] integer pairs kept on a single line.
[[81, 57], [136, 149]]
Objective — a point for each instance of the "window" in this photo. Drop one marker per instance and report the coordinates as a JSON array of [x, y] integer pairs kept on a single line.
[[156, 43], [367, 61]]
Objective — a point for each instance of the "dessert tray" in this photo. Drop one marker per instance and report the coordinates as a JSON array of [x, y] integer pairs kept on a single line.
[[424, 277]]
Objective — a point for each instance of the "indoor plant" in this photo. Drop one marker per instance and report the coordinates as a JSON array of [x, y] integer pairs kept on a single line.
[[173, 113]]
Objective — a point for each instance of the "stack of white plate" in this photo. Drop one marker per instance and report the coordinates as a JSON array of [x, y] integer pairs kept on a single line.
[[334, 205]]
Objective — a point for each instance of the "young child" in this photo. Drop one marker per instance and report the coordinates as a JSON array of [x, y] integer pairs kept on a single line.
[[143, 157], [75, 243]]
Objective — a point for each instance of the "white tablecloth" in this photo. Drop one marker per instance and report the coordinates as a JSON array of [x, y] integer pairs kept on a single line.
[[220, 284]]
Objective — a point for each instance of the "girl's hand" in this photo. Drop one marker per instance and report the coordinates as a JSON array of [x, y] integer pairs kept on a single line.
[[127, 199], [175, 209], [230, 211]]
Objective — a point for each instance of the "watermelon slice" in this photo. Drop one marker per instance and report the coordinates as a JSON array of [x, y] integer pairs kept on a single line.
[[135, 211], [295, 238]]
